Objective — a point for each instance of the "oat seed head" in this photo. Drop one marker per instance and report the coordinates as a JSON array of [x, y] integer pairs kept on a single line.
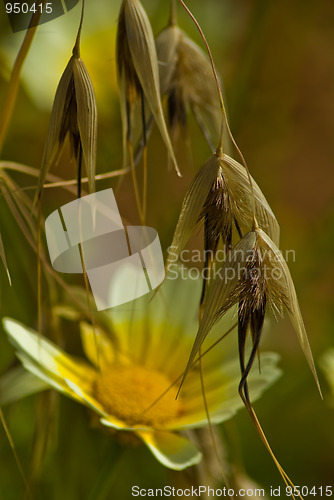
[[221, 195], [73, 114], [136, 51], [187, 80]]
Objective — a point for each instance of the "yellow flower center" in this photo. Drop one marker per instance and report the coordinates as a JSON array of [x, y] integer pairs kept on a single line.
[[128, 391]]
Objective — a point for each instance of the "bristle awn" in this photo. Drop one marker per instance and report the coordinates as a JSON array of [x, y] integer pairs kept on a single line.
[[131, 161], [4, 260], [143, 117], [262, 435], [220, 146], [207, 412], [244, 394], [134, 182], [209, 53], [17, 460], [89, 307], [207, 263], [39, 266]]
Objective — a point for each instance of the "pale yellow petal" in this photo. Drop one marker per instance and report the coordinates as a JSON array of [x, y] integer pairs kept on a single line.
[[46, 355], [97, 346], [172, 450], [221, 390]]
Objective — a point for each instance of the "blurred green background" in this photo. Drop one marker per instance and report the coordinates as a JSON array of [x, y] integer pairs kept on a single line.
[[276, 61]]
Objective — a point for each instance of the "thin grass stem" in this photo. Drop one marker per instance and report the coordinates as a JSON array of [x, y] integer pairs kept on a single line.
[[15, 76], [207, 412], [135, 184], [222, 105], [17, 460]]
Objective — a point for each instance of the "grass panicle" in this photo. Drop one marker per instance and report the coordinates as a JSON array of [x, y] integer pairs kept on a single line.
[[221, 197], [254, 274]]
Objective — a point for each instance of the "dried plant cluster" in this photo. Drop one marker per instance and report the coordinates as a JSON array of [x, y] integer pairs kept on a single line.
[[173, 73]]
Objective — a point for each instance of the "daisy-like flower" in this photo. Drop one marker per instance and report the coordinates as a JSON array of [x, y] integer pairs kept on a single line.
[[132, 361]]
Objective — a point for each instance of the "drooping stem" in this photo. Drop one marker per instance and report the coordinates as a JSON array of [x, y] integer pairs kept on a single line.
[[89, 308], [219, 150], [172, 15], [76, 48], [144, 155]]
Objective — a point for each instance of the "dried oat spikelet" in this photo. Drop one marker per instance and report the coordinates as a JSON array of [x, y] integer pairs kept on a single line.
[[221, 196], [74, 114], [254, 274], [187, 80], [137, 70]]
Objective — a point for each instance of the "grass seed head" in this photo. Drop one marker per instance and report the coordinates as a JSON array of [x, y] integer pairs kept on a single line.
[[220, 195], [187, 80], [137, 70], [254, 274], [73, 114]]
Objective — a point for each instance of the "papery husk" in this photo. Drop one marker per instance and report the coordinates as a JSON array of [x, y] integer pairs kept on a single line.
[[137, 62], [282, 292], [221, 297], [240, 199], [278, 290], [73, 113], [186, 73]]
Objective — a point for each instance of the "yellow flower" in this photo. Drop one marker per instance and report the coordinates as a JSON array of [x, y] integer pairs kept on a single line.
[[140, 351]]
